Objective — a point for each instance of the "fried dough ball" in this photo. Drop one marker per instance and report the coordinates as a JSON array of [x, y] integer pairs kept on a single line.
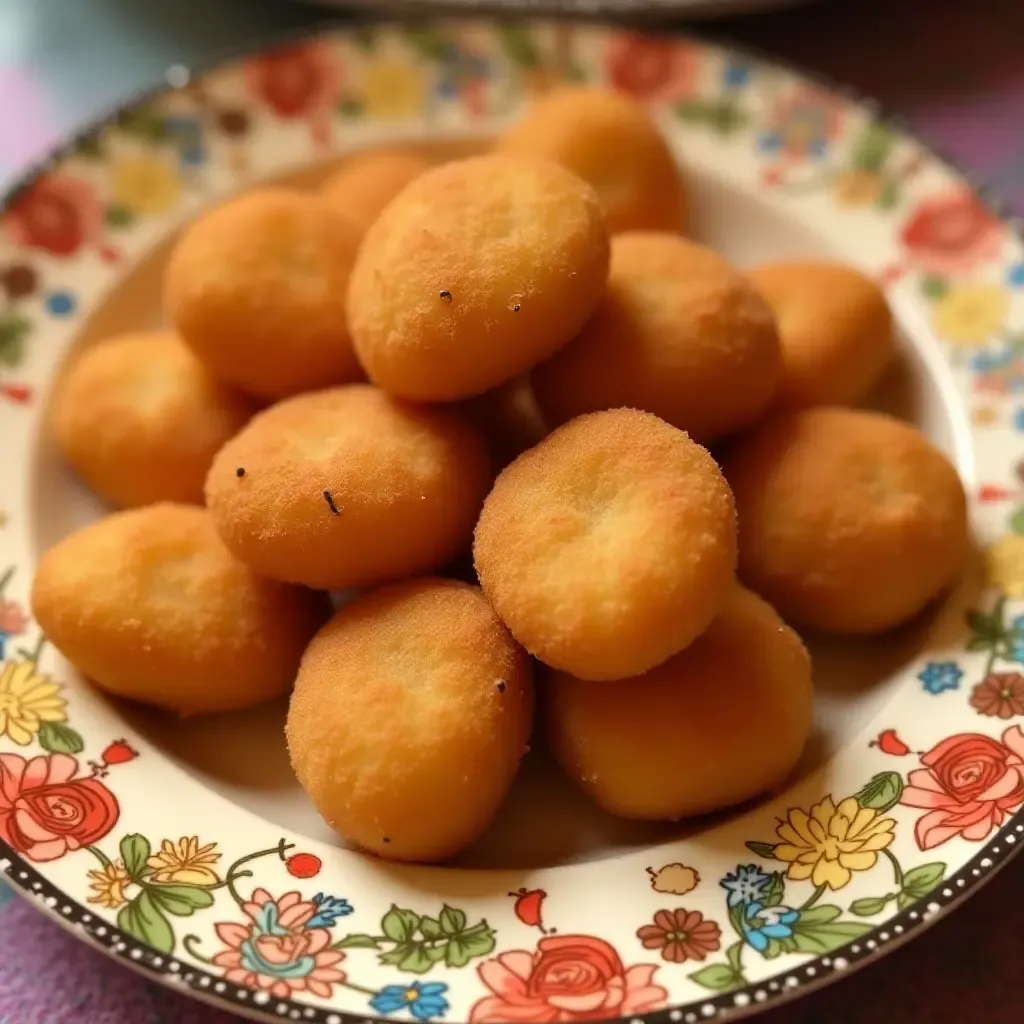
[[256, 287], [410, 714], [140, 419], [368, 181], [609, 546], [851, 521], [510, 420], [691, 735], [477, 271], [610, 141], [835, 328], [151, 606], [678, 333], [349, 487]]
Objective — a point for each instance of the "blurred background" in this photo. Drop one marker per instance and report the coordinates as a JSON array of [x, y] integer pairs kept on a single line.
[[953, 69]]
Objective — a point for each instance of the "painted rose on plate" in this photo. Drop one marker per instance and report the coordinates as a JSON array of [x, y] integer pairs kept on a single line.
[[650, 68], [45, 812], [949, 234], [968, 786], [567, 978], [58, 214]]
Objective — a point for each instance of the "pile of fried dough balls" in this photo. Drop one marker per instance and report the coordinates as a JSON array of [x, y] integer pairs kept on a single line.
[[519, 356]]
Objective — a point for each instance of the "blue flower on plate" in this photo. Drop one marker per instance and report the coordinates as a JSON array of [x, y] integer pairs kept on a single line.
[[1015, 275], [328, 910], [1018, 418], [1016, 639], [990, 360], [745, 885], [769, 142], [187, 133], [761, 924], [938, 676], [60, 303], [423, 1001], [735, 74]]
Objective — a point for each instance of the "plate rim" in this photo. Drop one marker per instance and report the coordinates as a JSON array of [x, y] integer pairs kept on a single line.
[[991, 856]]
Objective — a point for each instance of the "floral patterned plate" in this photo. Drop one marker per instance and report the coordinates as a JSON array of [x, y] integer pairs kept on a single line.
[[186, 849]]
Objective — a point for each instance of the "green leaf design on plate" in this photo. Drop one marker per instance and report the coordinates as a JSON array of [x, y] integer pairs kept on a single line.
[[357, 942], [145, 122], [400, 925], [14, 331], [734, 955], [890, 196], [143, 920], [694, 111], [350, 107], [872, 148], [934, 287], [882, 792], [476, 942], [870, 906], [818, 931], [90, 146], [428, 42], [519, 47], [986, 625], [416, 961], [60, 739], [920, 881], [430, 928], [778, 947], [135, 851], [119, 216], [776, 890], [717, 977], [180, 900], [452, 921], [766, 850]]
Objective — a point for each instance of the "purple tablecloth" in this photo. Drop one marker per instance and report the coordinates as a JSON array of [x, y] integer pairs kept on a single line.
[[955, 71]]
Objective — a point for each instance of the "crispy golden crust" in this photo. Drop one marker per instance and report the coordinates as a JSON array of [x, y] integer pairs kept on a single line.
[[610, 141], [717, 724], [609, 546], [835, 328], [140, 419], [850, 521], [257, 286], [411, 711], [150, 605], [406, 483], [477, 271], [679, 333], [368, 181]]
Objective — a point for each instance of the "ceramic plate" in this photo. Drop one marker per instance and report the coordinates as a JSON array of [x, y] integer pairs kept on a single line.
[[187, 850]]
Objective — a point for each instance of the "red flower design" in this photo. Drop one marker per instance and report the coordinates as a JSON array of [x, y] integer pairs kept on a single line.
[[999, 695], [681, 935], [303, 865], [949, 234], [13, 620], [45, 811], [568, 978], [650, 67], [968, 786], [296, 81], [57, 214], [119, 752]]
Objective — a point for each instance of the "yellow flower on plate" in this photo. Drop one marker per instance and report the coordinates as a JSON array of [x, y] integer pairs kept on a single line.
[[108, 885], [27, 700], [969, 314], [185, 862], [1004, 565], [857, 188], [393, 89], [145, 185], [831, 842]]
